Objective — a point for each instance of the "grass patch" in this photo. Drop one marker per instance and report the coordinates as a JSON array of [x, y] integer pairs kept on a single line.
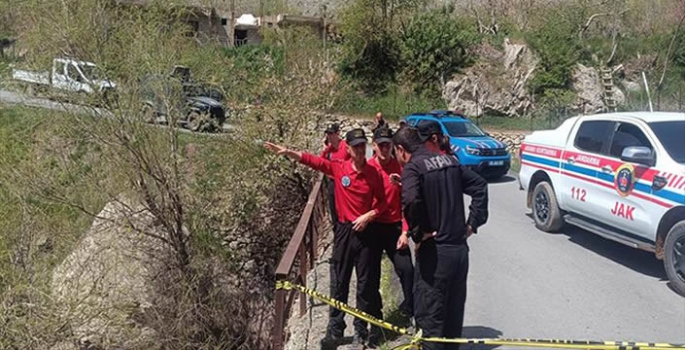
[[515, 164], [391, 311], [394, 104], [390, 305], [5, 73], [519, 124], [37, 233]]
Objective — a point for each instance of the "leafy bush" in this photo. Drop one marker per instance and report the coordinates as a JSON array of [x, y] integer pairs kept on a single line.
[[435, 45], [556, 44], [371, 51], [395, 102], [205, 194]]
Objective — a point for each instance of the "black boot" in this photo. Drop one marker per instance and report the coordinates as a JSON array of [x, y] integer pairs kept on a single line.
[[376, 338], [331, 341]]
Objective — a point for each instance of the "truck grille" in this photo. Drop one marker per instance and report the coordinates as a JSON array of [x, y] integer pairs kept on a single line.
[[494, 152], [219, 114]]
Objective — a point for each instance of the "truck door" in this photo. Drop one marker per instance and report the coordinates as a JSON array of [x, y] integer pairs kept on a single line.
[[77, 82], [627, 201], [60, 78], [580, 187]]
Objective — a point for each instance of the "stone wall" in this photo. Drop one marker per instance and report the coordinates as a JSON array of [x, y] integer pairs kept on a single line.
[[512, 139]]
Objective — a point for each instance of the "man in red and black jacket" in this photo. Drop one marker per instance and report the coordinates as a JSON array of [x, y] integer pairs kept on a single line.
[[433, 189], [389, 224], [360, 198], [434, 139], [334, 148]]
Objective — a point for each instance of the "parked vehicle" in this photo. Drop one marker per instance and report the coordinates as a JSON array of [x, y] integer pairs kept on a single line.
[[68, 75], [474, 147], [200, 106], [618, 175]]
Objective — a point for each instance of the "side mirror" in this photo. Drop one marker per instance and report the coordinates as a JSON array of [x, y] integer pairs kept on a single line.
[[638, 154]]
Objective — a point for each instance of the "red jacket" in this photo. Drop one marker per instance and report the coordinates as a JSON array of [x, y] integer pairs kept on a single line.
[[356, 192], [332, 154]]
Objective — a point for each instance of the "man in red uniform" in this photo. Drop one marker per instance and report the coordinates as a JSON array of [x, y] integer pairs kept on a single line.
[[360, 198], [335, 148], [389, 225]]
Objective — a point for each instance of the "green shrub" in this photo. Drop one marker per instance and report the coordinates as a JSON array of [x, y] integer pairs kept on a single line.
[[435, 45], [394, 103], [556, 44]]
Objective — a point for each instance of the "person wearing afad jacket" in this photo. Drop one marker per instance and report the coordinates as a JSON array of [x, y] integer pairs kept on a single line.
[[433, 187]]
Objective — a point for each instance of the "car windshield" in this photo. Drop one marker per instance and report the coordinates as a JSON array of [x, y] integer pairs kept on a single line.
[[193, 90], [90, 72], [671, 136], [463, 129]]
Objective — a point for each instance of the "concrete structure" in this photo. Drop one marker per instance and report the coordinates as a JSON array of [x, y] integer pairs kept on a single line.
[[247, 30], [204, 22], [213, 25]]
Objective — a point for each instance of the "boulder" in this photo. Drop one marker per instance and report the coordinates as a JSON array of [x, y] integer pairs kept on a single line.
[[105, 282], [586, 84], [589, 90], [631, 86], [496, 84]]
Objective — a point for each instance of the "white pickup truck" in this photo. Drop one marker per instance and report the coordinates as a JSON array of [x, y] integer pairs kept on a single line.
[[618, 175], [67, 75]]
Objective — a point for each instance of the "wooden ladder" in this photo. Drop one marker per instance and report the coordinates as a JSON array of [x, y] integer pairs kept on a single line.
[[608, 89]]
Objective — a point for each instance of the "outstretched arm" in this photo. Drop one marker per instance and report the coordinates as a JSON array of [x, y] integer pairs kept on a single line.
[[283, 151], [317, 163]]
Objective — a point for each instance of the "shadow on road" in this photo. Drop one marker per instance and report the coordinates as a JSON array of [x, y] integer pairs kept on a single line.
[[480, 332], [468, 332], [502, 180], [635, 259]]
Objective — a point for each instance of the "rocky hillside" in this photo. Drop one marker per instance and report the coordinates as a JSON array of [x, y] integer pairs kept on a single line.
[[498, 84]]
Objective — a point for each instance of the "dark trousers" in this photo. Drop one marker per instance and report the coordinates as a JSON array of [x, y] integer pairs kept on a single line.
[[388, 234], [334, 221], [331, 201], [354, 250], [440, 292]]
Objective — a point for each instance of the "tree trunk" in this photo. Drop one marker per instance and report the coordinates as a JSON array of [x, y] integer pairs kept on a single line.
[[659, 86]]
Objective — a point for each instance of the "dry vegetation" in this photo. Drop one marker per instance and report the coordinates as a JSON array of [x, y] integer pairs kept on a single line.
[[200, 220]]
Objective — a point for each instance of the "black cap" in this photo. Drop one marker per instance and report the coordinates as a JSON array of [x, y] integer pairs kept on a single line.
[[332, 128], [428, 128], [355, 137], [382, 135]]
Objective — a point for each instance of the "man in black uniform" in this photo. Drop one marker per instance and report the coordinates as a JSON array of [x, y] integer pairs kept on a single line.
[[433, 185]]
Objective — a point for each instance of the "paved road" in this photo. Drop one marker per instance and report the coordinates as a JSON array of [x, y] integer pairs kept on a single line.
[[11, 97], [525, 283]]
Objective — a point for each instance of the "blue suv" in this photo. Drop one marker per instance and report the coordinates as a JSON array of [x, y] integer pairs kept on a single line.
[[474, 147]]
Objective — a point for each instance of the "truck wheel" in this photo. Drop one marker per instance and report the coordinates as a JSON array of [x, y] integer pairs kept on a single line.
[[546, 212], [148, 114], [674, 257], [197, 121]]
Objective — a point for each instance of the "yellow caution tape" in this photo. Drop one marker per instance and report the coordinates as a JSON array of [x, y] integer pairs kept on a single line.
[[417, 338], [286, 285]]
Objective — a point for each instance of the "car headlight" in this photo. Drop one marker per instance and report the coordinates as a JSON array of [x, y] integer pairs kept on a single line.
[[473, 151]]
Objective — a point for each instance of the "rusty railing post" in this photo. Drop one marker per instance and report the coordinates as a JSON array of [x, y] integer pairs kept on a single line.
[[303, 275], [302, 246], [279, 322]]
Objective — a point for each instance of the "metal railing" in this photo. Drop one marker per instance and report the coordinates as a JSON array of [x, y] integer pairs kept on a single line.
[[303, 249]]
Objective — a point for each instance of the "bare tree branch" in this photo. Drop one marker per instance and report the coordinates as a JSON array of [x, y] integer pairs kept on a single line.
[[670, 49], [588, 23]]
